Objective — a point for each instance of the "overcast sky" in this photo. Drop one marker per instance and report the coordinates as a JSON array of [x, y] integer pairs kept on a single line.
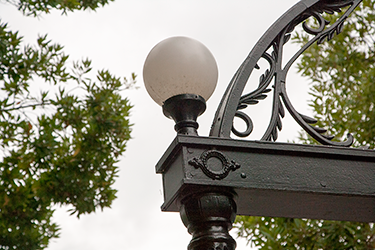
[[118, 37]]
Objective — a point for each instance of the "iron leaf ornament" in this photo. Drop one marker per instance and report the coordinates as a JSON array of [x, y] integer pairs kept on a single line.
[[270, 48]]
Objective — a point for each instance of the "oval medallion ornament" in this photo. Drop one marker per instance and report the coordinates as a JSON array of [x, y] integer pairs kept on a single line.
[[202, 163]]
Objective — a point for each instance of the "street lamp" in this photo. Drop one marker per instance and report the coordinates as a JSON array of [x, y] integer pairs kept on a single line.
[[211, 179], [180, 74]]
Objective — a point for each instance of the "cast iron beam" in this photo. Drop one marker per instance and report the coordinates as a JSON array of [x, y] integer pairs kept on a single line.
[[273, 179]]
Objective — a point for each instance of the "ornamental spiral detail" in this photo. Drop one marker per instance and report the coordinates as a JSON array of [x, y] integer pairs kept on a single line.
[[270, 48]]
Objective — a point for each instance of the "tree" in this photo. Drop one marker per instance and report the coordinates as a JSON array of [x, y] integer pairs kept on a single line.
[[342, 74], [35, 8], [60, 144]]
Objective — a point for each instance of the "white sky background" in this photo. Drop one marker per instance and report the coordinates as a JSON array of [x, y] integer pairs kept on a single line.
[[118, 37]]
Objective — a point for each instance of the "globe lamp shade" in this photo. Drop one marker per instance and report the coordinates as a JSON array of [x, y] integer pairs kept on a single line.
[[179, 65]]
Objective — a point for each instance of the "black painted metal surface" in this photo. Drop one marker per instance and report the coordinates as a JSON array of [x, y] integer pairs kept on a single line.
[[184, 109], [270, 48], [209, 179], [209, 216], [274, 179]]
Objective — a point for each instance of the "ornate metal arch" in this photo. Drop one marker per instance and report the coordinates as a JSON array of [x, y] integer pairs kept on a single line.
[[274, 39]]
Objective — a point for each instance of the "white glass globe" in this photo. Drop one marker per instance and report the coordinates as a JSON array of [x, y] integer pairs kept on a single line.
[[179, 65]]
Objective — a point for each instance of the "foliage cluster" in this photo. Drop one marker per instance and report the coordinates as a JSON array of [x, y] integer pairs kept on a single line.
[[61, 133], [286, 233], [342, 74], [34, 8]]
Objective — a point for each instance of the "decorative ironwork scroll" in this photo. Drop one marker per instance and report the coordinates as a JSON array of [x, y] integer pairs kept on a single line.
[[202, 162], [273, 40]]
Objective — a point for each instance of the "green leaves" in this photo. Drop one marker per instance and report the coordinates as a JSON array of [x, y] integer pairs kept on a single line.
[[19, 66], [342, 74], [58, 146], [34, 8], [284, 233]]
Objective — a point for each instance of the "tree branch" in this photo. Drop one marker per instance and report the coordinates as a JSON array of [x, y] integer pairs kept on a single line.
[[26, 106]]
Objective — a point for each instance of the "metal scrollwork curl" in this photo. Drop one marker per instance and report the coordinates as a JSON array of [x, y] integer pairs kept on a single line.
[[322, 24], [202, 163], [249, 124], [273, 40], [255, 96]]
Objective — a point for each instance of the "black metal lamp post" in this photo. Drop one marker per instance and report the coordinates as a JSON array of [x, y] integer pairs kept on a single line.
[[185, 74], [211, 179], [180, 74]]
